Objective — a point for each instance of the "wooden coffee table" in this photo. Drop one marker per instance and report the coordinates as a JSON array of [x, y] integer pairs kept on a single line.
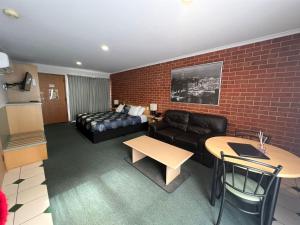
[[172, 157]]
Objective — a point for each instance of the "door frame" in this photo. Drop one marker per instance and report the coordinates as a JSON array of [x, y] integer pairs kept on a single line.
[[66, 89]]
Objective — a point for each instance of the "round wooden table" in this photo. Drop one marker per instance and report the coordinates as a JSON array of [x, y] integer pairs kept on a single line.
[[278, 156]]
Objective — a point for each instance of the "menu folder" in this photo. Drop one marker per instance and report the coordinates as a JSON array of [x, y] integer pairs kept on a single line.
[[247, 150]]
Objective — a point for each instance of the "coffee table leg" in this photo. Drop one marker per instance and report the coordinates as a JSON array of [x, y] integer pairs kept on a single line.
[[171, 174], [136, 155]]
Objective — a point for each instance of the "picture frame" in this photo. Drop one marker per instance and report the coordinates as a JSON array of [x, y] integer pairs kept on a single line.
[[200, 84]]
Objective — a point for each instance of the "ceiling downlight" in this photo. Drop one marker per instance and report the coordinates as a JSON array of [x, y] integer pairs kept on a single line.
[[105, 48], [11, 13]]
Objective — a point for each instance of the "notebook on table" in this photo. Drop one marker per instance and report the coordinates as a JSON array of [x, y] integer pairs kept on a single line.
[[247, 150]]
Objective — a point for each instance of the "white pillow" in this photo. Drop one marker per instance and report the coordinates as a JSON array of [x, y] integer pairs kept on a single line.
[[120, 108], [133, 110], [141, 111]]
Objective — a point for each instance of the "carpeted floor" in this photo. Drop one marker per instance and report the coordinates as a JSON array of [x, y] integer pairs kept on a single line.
[[92, 184]]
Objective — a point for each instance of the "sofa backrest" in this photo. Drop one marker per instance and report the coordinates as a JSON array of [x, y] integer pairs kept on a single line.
[[205, 124], [177, 119]]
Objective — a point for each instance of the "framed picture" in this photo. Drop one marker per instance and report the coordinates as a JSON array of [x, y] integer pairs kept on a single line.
[[53, 94], [197, 84]]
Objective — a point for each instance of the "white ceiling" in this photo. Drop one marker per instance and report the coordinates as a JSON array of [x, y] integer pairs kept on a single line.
[[138, 32]]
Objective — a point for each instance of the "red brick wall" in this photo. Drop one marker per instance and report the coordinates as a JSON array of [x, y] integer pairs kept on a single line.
[[260, 88]]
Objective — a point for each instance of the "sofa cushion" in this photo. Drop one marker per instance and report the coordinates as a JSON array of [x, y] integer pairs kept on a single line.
[[205, 124], [187, 141], [177, 119], [198, 130], [168, 134]]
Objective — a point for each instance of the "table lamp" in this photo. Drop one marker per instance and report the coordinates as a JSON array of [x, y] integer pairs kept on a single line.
[[153, 108], [116, 103]]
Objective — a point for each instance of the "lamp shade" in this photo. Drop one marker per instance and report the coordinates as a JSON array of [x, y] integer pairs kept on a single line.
[[116, 102], [153, 107]]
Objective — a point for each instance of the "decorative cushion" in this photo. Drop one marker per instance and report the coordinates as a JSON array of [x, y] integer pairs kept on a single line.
[[120, 108], [126, 109], [140, 111], [134, 110]]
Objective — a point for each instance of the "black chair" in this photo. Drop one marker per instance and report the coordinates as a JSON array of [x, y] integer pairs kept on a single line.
[[237, 180], [250, 134]]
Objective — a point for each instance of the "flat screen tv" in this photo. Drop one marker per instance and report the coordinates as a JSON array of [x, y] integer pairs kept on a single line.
[[26, 83]]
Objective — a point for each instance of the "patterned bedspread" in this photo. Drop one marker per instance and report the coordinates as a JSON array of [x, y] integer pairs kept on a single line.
[[102, 121]]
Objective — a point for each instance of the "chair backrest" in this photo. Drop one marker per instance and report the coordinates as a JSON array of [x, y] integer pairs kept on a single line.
[[250, 134], [245, 171]]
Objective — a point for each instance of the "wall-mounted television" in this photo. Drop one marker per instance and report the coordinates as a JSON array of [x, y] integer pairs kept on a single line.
[[26, 83]]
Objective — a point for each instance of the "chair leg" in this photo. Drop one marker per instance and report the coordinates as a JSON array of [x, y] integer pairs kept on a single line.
[[219, 183], [222, 205], [262, 212]]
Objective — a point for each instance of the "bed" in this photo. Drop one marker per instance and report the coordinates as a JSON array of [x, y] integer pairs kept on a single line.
[[102, 126]]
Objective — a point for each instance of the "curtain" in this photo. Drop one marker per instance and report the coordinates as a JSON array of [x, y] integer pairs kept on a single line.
[[88, 94]]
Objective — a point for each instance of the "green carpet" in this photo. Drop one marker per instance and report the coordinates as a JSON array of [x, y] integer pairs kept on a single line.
[[92, 184]]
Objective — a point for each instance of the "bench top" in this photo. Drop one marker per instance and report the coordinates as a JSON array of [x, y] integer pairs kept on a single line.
[[16, 141], [164, 153]]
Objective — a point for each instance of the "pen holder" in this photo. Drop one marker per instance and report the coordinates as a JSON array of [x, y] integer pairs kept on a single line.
[[262, 148]]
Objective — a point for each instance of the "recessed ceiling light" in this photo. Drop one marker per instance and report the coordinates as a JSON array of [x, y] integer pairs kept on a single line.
[[186, 1], [79, 63], [11, 13], [105, 48]]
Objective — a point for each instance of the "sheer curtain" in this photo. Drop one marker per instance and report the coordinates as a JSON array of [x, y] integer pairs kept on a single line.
[[88, 94]]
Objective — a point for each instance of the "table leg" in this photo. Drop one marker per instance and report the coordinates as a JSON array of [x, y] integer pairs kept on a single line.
[[271, 203], [214, 182], [171, 174], [136, 155]]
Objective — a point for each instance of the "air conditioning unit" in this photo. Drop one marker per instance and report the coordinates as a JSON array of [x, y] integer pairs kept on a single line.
[[5, 66]]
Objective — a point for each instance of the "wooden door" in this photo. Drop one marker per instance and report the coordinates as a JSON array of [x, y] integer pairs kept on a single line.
[[53, 97]]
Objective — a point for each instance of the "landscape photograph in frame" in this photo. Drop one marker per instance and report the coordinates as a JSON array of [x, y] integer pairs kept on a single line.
[[199, 84]]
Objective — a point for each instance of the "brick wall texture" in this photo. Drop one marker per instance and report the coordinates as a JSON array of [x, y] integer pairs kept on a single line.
[[260, 88]]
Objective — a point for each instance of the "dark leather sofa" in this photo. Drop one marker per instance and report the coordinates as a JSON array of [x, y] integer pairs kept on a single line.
[[189, 131]]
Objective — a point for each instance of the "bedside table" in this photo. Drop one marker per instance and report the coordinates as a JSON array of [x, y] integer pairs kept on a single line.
[[153, 119]]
